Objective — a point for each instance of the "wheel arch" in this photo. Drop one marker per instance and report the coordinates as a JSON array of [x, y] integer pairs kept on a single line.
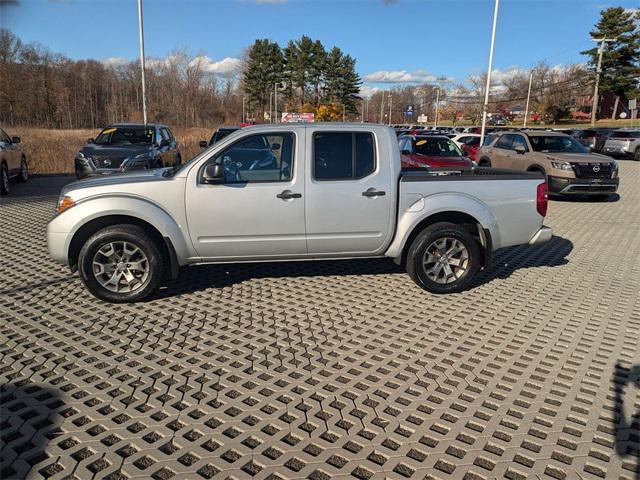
[[79, 238]]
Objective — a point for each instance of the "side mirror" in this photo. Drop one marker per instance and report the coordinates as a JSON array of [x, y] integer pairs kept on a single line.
[[15, 139], [165, 143], [275, 146], [90, 140], [213, 173], [406, 152], [203, 144], [520, 149]]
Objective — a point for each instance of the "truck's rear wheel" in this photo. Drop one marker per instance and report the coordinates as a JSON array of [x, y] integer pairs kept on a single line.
[[484, 162], [443, 258], [120, 264]]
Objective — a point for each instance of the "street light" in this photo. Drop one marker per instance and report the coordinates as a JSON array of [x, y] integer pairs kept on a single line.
[[144, 89], [485, 106]]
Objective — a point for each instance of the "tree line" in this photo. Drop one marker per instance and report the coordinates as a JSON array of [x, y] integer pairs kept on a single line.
[[307, 76]]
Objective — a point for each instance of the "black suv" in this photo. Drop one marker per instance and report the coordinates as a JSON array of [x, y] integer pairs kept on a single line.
[[218, 135], [593, 138], [123, 147]]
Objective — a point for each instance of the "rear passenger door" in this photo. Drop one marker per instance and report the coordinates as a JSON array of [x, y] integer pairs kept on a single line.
[[501, 154], [350, 195]]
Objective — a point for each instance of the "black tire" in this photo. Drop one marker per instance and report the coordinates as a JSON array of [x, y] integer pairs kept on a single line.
[[134, 235], [484, 162], [425, 239], [178, 160], [5, 183], [636, 156], [23, 175]]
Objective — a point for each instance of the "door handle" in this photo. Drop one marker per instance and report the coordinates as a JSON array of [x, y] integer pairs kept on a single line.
[[288, 194], [372, 192]]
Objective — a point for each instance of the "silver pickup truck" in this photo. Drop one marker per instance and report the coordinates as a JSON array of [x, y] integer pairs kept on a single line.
[[293, 192]]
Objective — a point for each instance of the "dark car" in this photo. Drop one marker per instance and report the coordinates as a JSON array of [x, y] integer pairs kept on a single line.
[[422, 151], [125, 147], [13, 162], [218, 135], [593, 138]]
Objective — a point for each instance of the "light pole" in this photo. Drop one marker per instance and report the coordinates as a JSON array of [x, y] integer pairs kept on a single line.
[[275, 100], [142, 66], [244, 109], [271, 107], [364, 102], [526, 110], [594, 106], [435, 122], [485, 106], [382, 108], [390, 104]]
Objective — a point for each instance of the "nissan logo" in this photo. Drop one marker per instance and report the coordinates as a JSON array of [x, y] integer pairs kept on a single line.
[[107, 162], [596, 168]]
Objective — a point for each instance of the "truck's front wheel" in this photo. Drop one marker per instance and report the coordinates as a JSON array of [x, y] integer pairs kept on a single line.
[[443, 258], [120, 264]]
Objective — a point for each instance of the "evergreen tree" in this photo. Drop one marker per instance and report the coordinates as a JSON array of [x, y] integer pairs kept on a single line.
[[621, 58], [263, 69]]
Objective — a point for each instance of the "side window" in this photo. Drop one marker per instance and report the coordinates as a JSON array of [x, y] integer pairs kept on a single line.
[[167, 134], [519, 140], [259, 158], [343, 155], [504, 142]]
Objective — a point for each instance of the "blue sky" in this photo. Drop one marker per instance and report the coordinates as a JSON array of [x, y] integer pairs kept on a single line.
[[394, 42]]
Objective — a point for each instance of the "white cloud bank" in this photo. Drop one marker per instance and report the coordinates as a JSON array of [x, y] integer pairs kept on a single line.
[[400, 76], [226, 66]]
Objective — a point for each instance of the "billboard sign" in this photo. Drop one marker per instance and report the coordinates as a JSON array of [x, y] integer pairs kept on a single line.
[[297, 117]]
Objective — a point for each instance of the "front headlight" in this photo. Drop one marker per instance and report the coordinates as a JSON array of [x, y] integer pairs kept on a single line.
[[82, 156], [614, 169], [561, 165], [64, 203]]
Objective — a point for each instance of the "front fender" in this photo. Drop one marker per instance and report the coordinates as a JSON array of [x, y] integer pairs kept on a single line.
[[424, 207], [62, 228]]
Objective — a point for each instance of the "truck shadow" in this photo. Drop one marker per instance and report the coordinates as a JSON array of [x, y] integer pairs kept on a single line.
[[626, 421], [504, 263], [29, 419]]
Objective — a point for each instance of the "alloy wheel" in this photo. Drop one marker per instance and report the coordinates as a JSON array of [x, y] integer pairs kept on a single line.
[[24, 170], [446, 260], [5, 178], [120, 267]]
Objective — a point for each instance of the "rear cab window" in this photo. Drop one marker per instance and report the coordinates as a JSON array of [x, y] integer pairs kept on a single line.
[[343, 155]]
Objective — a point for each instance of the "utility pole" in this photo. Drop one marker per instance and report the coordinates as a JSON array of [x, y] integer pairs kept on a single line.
[[390, 104], [485, 106], [526, 110], [435, 121], [275, 101], [344, 112], [244, 115], [364, 102], [142, 66], [382, 108], [271, 107], [594, 106]]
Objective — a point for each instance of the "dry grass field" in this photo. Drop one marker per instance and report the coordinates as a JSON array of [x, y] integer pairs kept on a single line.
[[53, 151]]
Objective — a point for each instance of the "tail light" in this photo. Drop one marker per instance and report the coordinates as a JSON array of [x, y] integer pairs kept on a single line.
[[542, 199]]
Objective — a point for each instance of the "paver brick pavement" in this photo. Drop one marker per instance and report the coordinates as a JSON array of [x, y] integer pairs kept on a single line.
[[328, 369]]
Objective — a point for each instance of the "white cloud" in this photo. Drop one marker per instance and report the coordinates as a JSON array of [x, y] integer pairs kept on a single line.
[[367, 91], [115, 61], [400, 76], [226, 66]]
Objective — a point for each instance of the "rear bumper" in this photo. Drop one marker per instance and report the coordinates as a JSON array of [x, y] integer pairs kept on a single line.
[[617, 152], [583, 186], [542, 236]]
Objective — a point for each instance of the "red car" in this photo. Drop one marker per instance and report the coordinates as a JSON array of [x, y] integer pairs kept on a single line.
[[470, 149], [420, 151]]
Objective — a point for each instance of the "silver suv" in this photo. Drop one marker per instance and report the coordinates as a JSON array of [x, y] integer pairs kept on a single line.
[[623, 143], [13, 162]]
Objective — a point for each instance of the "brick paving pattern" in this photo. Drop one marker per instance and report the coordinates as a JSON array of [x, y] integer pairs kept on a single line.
[[328, 369]]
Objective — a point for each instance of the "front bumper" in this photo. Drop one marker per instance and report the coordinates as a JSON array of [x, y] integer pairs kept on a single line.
[[542, 236], [583, 186], [87, 168], [617, 152]]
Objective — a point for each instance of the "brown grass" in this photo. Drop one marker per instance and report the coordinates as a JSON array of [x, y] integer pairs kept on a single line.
[[53, 151]]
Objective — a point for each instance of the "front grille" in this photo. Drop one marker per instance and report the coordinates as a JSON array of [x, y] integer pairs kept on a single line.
[[586, 170], [107, 162]]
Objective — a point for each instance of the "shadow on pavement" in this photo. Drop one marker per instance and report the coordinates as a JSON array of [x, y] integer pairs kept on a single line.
[[614, 197], [626, 420], [28, 420], [505, 262]]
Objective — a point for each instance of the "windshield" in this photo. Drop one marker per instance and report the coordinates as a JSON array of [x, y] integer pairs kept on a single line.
[[625, 135], [556, 143], [125, 136], [437, 147]]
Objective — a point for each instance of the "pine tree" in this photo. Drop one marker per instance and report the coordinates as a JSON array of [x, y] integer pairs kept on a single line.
[[621, 58], [263, 69]]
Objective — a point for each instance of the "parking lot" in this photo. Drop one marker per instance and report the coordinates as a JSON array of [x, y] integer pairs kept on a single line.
[[327, 369]]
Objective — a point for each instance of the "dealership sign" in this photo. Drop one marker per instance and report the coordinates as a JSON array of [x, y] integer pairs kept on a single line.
[[297, 117]]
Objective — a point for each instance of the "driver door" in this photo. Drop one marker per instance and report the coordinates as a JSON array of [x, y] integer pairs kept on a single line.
[[257, 210]]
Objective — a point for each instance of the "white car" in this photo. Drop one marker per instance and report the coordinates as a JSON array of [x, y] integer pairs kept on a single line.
[[464, 138]]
